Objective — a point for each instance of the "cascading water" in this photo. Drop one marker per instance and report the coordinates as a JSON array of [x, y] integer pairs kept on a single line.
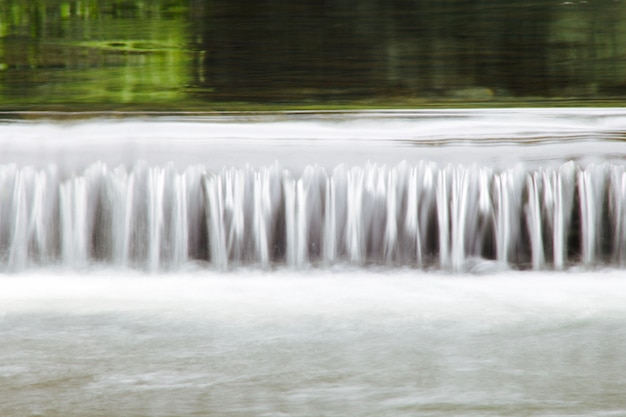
[[438, 263], [421, 215]]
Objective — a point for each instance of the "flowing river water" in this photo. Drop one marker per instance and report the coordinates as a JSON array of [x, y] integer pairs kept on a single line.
[[439, 263]]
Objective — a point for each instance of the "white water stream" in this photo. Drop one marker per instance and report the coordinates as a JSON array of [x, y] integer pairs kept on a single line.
[[445, 263]]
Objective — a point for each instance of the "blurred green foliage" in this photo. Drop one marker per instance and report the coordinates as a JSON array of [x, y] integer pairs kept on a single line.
[[73, 52], [255, 54]]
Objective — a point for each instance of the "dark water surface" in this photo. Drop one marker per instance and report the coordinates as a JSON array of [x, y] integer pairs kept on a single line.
[[237, 54]]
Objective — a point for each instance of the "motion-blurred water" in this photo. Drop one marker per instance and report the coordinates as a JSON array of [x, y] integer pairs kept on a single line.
[[346, 342], [526, 189], [152, 321]]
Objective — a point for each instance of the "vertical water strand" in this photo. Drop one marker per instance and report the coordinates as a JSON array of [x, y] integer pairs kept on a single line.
[[391, 226], [7, 184], [374, 212], [484, 199], [617, 208], [591, 182], [371, 232], [563, 186], [262, 216], [516, 184], [411, 224], [127, 217], [509, 186], [547, 200], [121, 190], [168, 216], [51, 213], [502, 185], [620, 246], [335, 220], [215, 221], [73, 208], [179, 229], [296, 220], [196, 203], [36, 233], [97, 225], [330, 221], [301, 224], [234, 217], [65, 212], [615, 212], [457, 240], [156, 185], [427, 205], [558, 221], [587, 215], [289, 191], [355, 245], [18, 254], [314, 180], [115, 189], [43, 223], [533, 220], [459, 212], [443, 219], [600, 178], [479, 207]]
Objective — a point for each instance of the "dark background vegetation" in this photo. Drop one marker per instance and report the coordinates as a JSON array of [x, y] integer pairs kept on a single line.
[[238, 54]]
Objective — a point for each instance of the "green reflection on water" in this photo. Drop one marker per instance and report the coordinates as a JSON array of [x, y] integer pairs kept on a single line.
[[244, 54], [92, 52]]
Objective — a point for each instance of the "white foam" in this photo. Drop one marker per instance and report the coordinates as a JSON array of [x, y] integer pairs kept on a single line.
[[285, 295], [325, 138]]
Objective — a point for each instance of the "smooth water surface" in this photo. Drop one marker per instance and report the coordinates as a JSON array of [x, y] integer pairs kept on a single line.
[[396, 343]]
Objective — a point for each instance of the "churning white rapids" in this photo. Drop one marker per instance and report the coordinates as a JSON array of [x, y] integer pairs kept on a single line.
[[431, 263]]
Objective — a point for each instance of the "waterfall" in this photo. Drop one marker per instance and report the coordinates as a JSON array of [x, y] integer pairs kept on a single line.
[[420, 215]]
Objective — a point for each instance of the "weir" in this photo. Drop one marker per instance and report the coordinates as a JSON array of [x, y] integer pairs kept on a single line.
[[421, 215], [366, 262]]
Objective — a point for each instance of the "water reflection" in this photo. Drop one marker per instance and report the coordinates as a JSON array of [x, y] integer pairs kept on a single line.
[[92, 51], [186, 53]]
